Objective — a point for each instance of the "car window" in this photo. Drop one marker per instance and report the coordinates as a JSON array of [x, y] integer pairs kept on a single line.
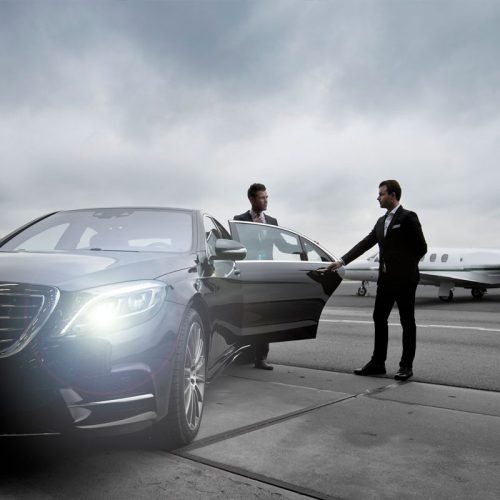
[[48, 238], [314, 253], [121, 229], [222, 230], [212, 234], [265, 242], [85, 238]]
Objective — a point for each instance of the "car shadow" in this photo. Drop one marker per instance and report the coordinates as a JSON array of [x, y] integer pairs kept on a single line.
[[22, 455]]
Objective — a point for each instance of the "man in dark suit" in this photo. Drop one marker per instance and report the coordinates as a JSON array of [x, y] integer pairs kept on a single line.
[[258, 197], [401, 246]]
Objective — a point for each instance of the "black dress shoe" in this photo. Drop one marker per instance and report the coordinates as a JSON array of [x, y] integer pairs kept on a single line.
[[404, 373], [370, 368], [263, 365]]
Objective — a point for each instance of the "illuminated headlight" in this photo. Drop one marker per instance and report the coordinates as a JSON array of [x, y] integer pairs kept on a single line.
[[114, 307]]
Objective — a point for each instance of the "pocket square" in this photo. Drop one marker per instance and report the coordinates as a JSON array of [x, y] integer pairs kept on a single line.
[[396, 226]]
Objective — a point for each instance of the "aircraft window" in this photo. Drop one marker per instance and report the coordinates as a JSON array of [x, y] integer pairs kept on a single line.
[[422, 259], [444, 257], [433, 257]]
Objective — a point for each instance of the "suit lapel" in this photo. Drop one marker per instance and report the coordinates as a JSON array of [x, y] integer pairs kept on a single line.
[[380, 229]]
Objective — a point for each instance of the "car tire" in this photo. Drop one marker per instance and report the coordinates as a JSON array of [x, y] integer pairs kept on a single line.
[[187, 393]]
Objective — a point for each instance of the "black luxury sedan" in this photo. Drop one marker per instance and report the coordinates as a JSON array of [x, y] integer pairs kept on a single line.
[[114, 320]]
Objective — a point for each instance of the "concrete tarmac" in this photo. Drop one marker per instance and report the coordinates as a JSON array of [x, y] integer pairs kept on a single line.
[[289, 433], [331, 435]]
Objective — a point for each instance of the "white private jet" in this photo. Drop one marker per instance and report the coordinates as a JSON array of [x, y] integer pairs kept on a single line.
[[476, 269]]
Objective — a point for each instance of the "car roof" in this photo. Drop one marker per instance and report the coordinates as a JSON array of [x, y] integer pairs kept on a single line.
[[131, 207]]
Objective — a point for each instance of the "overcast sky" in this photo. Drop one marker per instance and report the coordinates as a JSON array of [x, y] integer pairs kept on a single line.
[[186, 103]]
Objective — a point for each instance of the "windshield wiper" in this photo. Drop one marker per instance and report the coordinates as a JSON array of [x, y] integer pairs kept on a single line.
[[111, 250]]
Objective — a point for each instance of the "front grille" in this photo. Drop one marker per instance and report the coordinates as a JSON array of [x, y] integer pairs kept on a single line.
[[23, 311]]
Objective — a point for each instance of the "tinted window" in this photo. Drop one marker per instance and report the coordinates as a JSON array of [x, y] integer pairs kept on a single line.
[[212, 234], [140, 230], [47, 238], [269, 243], [314, 253]]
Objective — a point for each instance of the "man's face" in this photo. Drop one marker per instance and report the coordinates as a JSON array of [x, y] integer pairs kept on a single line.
[[259, 201], [386, 200]]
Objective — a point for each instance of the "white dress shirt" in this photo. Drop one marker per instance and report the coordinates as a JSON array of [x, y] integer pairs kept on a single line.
[[258, 217], [388, 218]]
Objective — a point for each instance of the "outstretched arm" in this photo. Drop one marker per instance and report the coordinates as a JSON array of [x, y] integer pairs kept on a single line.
[[357, 250]]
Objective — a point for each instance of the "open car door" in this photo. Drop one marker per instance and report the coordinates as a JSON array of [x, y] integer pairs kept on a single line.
[[283, 283]]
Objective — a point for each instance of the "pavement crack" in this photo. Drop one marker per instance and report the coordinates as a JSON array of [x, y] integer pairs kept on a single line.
[[258, 425], [261, 478], [379, 390]]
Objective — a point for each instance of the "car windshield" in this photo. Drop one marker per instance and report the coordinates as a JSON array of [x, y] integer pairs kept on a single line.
[[108, 229]]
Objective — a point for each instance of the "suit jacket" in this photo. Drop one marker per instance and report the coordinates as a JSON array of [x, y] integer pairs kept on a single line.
[[247, 216], [399, 251], [261, 248]]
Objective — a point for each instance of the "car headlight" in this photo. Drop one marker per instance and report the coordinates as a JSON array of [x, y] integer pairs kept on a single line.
[[114, 307]]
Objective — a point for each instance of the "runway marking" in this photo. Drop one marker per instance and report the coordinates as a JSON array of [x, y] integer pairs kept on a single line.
[[449, 327]]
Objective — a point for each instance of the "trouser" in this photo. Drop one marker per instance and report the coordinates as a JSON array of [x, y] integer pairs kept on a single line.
[[404, 297], [261, 351]]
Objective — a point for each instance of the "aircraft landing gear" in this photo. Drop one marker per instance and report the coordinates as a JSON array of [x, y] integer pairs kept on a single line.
[[447, 298], [362, 289], [478, 293]]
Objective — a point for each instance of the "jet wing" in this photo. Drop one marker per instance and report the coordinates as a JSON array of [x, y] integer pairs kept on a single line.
[[473, 279]]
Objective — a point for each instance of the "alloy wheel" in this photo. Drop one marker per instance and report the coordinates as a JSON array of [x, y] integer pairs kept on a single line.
[[194, 375]]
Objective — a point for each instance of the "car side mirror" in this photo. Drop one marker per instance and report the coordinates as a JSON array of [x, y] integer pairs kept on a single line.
[[229, 250]]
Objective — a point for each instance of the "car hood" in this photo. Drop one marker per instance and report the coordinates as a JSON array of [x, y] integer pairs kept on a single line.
[[81, 270]]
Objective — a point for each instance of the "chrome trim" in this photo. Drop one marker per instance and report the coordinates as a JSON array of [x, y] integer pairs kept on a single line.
[[114, 401], [50, 298], [240, 251], [30, 434], [142, 417]]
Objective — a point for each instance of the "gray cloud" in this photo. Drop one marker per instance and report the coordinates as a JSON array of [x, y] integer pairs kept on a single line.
[[188, 102], [368, 56]]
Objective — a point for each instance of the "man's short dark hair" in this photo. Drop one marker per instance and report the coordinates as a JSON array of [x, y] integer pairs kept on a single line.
[[254, 189], [392, 187]]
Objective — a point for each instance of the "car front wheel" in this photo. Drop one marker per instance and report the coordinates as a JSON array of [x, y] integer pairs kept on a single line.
[[187, 394]]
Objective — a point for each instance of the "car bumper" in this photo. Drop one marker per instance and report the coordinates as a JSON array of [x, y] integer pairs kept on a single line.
[[78, 386]]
